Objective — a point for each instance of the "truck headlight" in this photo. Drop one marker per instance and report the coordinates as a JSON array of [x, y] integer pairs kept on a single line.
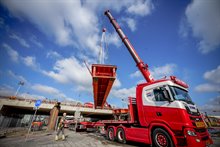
[[191, 133]]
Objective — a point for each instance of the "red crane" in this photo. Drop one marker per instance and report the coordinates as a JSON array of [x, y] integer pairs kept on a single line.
[[162, 114]]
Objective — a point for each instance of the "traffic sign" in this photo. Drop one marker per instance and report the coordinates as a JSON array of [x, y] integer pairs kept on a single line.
[[38, 103]]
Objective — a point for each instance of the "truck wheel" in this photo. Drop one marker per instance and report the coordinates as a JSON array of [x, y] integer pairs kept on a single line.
[[121, 135], [110, 134], [161, 138]]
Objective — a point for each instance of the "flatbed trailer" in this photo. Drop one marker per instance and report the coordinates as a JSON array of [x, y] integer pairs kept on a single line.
[[130, 120]]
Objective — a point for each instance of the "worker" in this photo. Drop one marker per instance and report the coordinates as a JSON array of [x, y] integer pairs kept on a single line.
[[61, 127]]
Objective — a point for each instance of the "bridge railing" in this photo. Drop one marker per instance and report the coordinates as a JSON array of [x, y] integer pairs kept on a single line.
[[48, 101]]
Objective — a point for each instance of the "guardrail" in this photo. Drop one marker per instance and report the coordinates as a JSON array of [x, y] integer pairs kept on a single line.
[[47, 101]]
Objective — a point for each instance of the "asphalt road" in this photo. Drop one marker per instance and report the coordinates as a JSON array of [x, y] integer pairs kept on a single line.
[[45, 139]]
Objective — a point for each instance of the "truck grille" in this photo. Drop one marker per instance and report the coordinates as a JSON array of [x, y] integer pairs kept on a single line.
[[200, 130], [195, 118], [195, 113]]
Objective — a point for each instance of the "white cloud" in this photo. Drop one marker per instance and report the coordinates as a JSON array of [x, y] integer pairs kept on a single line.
[[6, 90], [61, 20], [2, 22], [113, 39], [13, 54], [212, 106], [28, 96], [20, 40], [141, 81], [203, 18], [136, 74], [213, 84], [30, 61], [85, 58], [70, 70], [44, 89], [53, 54], [158, 72], [117, 83], [135, 7], [123, 93], [184, 28], [141, 7], [17, 77], [208, 87], [34, 40], [161, 71], [74, 22], [213, 75], [130, 22]]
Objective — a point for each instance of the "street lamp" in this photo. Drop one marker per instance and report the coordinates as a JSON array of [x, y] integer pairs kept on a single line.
[[21, 83]]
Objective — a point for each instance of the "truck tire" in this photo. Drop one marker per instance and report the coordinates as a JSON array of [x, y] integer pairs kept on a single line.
[[110, 134], [161, 138], [121, 135]]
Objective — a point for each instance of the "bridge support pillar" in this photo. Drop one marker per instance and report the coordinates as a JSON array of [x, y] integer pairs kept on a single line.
[[53, 117]]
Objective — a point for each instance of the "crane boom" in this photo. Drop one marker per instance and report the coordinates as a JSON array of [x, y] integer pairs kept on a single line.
[[140, 64]]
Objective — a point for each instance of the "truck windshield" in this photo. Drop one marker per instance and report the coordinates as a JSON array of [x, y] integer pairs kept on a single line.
[[180, 94]]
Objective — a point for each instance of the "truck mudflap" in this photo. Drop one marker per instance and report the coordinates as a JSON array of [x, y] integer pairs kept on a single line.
[[195, 139]]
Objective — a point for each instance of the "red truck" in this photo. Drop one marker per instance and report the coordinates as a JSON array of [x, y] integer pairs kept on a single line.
[[162, 114]]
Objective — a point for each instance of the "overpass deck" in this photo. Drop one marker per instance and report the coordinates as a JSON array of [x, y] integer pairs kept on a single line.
[[47, 106]]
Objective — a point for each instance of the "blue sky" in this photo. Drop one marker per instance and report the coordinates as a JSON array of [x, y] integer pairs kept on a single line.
[[44, 44]]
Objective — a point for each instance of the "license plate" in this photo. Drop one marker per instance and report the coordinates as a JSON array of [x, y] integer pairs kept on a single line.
[[200, 124]]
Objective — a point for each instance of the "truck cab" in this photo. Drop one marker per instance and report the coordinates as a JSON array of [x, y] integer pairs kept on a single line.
[[166, 103]]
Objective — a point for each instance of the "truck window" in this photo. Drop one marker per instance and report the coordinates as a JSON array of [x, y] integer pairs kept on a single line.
[[180, 94], [159, 96]]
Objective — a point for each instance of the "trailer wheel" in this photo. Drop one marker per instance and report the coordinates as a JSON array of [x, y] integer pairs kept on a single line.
[[121, 135], [161, 138], [110, 134]]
